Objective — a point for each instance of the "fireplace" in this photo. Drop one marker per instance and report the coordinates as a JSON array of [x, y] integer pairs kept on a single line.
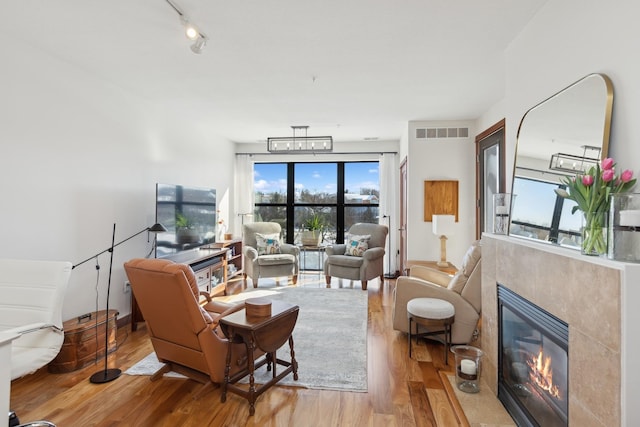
[[533, 361]]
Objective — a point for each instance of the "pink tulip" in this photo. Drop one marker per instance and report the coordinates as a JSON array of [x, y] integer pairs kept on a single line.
[[626, 176], [608, 175], [607, 164], [587, 180]]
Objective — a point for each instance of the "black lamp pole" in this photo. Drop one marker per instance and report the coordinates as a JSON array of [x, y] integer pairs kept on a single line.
[[107, 375], [389, 274]]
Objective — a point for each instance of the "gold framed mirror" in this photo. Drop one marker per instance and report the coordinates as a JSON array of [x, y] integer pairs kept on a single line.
[[562, 136]]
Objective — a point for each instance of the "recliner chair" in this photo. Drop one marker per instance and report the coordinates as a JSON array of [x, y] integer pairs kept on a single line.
[[463, 290], [185, 335], [358, 265]]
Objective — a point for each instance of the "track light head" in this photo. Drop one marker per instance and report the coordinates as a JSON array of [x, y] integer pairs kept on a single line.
[[199, 45], [191, 31]]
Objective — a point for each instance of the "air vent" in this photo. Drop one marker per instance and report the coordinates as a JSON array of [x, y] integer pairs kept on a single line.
[[429, 133]]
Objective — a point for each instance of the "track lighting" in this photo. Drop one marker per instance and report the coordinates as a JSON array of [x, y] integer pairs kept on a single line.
[[191, 31]]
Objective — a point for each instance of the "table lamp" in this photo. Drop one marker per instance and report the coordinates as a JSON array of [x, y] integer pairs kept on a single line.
[[443, 226]]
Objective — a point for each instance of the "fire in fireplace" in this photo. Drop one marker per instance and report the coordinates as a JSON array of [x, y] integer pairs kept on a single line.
[[532, 362]]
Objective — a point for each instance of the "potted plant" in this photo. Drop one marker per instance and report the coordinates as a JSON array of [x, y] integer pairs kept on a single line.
[[184, 230], [312, 233]]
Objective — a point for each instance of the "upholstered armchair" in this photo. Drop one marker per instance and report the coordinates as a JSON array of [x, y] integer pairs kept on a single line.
[[265, 255], [185, 334], [360, 257], [462, 290]]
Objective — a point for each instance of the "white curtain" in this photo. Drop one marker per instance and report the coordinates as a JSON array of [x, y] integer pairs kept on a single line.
[[243, 200], [389, 207]]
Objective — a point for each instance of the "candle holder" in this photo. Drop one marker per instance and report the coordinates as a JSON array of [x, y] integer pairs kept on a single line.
[[501, 212], [624, 232], [468, 367]]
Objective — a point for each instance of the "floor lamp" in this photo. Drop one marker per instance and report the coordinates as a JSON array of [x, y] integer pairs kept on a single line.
[[242, 217], [106, 374], [389, 274]]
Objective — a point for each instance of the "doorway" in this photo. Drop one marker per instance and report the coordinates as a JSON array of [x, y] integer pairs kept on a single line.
[[490, 174]]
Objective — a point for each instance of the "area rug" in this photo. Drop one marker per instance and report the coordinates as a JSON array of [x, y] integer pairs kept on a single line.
[[330, 338]]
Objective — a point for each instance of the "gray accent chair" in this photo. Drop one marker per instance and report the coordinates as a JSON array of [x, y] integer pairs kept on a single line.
[[286, 263], [463, 290], [364, 268]]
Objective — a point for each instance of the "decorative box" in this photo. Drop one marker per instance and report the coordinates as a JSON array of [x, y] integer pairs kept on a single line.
[[258, 307]]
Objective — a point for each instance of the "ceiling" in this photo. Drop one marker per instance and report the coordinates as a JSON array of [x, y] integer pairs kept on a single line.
[[353, 69]]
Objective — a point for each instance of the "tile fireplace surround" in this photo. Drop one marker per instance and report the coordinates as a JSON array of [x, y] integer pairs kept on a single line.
[[598, 298]]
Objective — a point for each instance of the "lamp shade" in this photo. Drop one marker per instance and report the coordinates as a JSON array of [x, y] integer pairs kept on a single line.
[[157, 228], [444, 225]]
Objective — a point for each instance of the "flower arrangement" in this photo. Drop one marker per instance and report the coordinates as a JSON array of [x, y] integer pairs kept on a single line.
[[592, 192]]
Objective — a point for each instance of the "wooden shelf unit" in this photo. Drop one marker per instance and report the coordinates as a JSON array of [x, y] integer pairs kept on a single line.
[[235, 259]]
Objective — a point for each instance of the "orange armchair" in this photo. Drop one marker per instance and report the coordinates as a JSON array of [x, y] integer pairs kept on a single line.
[[184, 334]]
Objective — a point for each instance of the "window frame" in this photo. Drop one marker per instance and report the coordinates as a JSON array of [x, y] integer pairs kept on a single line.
[[340, 205]]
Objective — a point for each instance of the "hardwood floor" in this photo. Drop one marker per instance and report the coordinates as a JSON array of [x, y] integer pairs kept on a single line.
[[401, 392]]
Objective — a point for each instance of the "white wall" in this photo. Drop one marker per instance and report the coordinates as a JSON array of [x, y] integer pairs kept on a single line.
[[78, 155], [440, 159], [565, 41]]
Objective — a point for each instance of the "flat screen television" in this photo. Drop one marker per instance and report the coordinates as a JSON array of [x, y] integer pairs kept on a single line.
[[188, 214]]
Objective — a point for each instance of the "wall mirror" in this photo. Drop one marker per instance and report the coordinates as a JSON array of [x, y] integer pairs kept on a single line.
[[562, 136]]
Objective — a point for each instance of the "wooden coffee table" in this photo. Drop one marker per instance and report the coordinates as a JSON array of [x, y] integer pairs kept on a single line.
[[265, 334]]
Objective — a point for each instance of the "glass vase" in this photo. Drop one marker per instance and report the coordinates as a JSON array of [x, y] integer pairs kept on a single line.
[[595, 233], [468, 367]]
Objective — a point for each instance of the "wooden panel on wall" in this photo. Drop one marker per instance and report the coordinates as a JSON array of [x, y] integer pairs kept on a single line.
[[440, 198]]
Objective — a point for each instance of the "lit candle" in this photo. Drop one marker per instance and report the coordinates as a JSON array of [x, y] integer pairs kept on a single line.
[[468, 367], [502, 210], [630, 218]]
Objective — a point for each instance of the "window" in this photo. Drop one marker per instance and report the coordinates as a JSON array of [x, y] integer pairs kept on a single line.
[[338, 193], [270, 193]]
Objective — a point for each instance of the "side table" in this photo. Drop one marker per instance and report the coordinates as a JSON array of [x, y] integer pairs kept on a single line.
[[266, 334], [320, 249], [5, 371]]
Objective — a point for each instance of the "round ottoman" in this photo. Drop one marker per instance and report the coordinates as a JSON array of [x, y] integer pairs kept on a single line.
[[430, 313]]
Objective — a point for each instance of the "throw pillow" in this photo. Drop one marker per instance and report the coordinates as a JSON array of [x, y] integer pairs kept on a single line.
[[268, 243], [356, 245]]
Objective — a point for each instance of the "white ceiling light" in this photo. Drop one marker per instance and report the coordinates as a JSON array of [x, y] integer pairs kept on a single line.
[[191, 31]]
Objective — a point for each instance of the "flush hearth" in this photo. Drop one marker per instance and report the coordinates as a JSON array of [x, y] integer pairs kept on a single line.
[[533, 363]]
